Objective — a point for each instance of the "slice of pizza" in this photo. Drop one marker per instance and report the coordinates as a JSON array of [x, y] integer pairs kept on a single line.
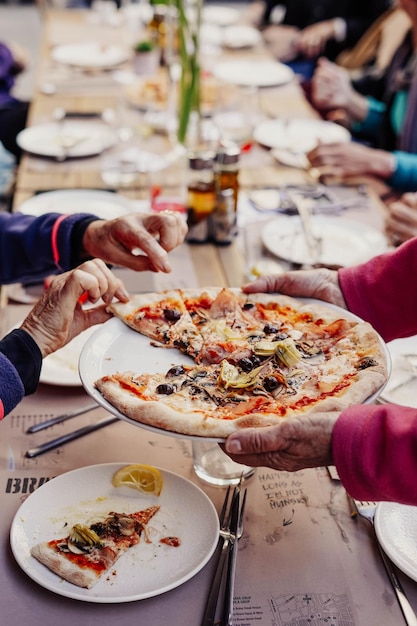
[[89, 551], [162, 317]]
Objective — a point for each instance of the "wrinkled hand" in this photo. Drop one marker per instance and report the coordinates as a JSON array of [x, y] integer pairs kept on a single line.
[[331, 86], [58, 316], [281, 41], [344, 160], [312, 40], [137, 241], [322, 284], [294, 444], [401, 223]]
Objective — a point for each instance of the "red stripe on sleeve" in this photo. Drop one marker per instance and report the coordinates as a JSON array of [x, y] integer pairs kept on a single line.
[[1, 410], [55, 250]]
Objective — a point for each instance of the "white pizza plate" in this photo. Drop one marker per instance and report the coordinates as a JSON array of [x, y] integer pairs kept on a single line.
[[396, 529], [104, 204], [92, 54], [253, 73], [344, 242], [148, 569], [402, 385], [220, 15], [115, 347], [88, 139], [299, 135]]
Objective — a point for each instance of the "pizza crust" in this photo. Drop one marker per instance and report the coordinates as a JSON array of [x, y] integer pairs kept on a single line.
[[57, 563]]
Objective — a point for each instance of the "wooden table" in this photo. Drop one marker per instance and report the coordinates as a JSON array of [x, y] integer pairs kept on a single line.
[[303, 558]]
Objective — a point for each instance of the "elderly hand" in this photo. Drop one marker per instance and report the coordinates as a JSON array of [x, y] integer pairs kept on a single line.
[[343, 160], [322, 284], [331, 86], [137, 241], [58, 316], [293, 444], [401, 222], [312, 40]]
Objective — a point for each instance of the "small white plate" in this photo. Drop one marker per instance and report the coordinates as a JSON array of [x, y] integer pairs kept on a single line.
[[402, 385], [253, 73], [396, 529], [61, 367], [220, 15], [104, 204], [344, 242], [92, 54], [145, 570], [238, 37], [299, 135], [46, 139]]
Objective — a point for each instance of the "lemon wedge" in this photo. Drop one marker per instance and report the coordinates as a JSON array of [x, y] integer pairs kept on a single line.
[[144, 478]]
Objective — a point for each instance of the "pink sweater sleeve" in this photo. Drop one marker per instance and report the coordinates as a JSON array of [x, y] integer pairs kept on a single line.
[[383, 291], [375, 452], [375, 447]]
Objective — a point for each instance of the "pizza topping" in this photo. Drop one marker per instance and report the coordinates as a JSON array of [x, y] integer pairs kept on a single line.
[[172, 315], [366, 362], [230, 376], [82, 538], [284, 350]]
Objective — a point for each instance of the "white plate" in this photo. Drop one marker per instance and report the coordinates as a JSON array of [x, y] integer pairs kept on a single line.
[[46, 139], [238, 37], [103, 204], [299, 135], [344, 242], [402, 385], [92, 54], [220, 15], [61, 367], [115, 347], [396, 529], [253, 73], [145, 570]]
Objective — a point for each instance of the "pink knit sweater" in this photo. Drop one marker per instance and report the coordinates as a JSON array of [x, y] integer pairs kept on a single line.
[[375, 447]]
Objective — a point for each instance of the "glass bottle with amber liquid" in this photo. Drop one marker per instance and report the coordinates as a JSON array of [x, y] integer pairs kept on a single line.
[[201, 195], [223, 221]]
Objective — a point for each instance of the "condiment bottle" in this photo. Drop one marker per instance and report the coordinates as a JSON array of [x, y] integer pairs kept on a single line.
[[201, 196], [224, 217]]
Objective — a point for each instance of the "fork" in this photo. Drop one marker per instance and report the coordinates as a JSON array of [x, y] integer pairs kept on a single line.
[[367, 511], [225, 540]]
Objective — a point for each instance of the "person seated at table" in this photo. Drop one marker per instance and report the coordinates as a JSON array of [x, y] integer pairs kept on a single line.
[[54, 320], [298, 31], [35, 247], [13, 112], [31, 247], [374, 447], [401, 221], [385, 118]]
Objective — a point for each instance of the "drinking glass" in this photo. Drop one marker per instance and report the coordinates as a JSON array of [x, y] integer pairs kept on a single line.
[[214, 467]]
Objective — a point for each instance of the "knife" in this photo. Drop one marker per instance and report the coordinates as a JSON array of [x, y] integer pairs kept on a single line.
[[59, 441], [60, 418]]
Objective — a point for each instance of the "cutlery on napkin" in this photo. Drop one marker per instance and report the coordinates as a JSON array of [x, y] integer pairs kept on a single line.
[[60, 441]]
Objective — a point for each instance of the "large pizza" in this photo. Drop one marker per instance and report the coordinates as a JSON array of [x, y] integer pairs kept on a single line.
[[253, 360]]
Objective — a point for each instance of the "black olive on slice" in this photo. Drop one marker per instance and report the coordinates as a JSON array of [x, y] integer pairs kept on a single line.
[[366, 362], [172, 315], [165, 389], [248, 305], [256, 361], [269, 329], [245, 364], [271, 383], [177, 370]]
